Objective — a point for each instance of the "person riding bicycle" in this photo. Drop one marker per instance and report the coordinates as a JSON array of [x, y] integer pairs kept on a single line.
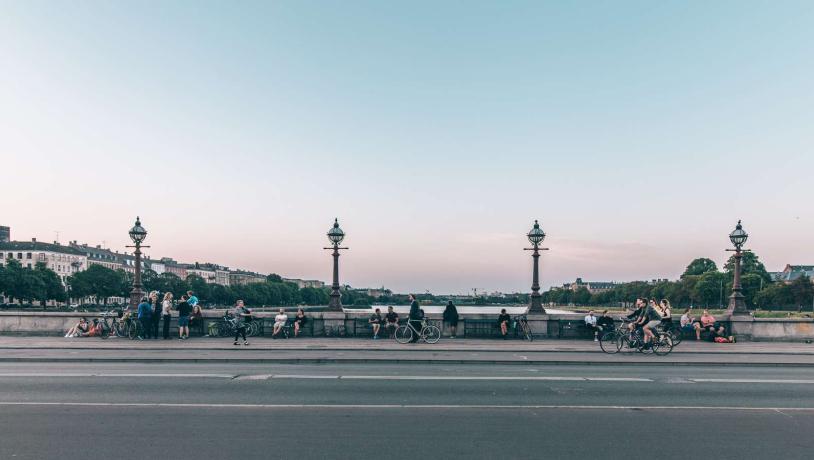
[[649, 321], [636, 316]]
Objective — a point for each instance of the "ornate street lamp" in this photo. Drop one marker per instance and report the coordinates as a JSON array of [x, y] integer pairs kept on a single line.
[[137, 234], [536, 236], [335, 236], [737, 305]]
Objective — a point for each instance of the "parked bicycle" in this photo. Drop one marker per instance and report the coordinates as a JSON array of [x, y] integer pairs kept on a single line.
[[428, 333], [521, 327]]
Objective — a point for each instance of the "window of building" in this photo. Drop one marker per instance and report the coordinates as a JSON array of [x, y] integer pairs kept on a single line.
[[20, 255], [28, 255], [29, 265]]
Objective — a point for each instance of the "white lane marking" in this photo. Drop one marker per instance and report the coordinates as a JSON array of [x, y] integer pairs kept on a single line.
[[457, 377], [304, 376], [96, 374], [617, 379], [401, 406], [782, 381]]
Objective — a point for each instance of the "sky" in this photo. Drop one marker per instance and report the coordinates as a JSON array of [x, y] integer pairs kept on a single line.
[[637, 132]]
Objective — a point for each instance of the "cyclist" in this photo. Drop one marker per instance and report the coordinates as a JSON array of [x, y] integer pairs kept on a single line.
[[666, 314], [636, 315], [649, 321]]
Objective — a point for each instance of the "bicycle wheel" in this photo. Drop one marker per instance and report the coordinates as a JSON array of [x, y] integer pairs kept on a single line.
[[610, 343], [431, 334], [663, 345], [133, 330], [121, 329], [223, 330], [404, 334], [527, 331], [675, 335]]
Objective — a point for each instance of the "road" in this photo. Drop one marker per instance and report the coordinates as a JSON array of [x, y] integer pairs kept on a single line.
[[351, 411]]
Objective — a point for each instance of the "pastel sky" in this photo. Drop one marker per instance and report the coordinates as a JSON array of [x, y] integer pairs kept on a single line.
[[638, 132]]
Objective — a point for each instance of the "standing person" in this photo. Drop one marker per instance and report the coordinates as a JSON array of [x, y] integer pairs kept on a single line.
[[503, 322], [184, 309], [391, 321], [156, 302], [375, 322], [299, 321], [166, 314], [451, 319], [415, 317], [145, 317], [241, 313]]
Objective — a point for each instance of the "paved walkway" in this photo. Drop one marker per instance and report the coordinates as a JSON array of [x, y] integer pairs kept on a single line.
[[321, 350]]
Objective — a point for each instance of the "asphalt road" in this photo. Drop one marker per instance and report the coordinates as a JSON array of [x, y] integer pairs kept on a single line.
[[185, 411]]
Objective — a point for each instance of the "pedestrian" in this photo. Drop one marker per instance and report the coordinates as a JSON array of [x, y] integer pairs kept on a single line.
[[415, 318], [241, 313], [451, 319], [375, 322], [157, 304], [166, 314], [184, 309], [145, 317]]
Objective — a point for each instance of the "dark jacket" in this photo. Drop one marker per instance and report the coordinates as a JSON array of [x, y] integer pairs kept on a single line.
[[451, 314], [415, 311]]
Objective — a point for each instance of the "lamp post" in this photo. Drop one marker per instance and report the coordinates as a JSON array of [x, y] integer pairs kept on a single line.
[[137, 234], [335, 236], [737, 305], [536, 236]]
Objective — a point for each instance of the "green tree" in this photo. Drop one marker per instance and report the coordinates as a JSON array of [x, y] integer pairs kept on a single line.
[[581, 296], [699, 267], [98, 282], [802, 291], [52, 288], [774, 297], [709, 288], [749, 264]]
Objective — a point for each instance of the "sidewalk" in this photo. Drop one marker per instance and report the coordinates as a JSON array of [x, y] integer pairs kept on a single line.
[[457, 351]]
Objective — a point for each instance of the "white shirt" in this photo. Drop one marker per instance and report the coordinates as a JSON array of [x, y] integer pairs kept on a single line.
[[166, 307], [590, 320], [281, 318], [685, 319]]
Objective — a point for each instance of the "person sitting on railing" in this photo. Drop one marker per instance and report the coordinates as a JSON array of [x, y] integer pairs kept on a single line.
[[590, 323], [375, 322], [299, 321], [391, 321], [605, 322], [279, 322], [708, 323], [503, 321]]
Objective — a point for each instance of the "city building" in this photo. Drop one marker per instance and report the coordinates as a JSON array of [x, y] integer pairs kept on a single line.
[[302, 284], [242, 278], [592, 286], [172, 266], [63, 260], [205, 271], [99, 256], [792, 272], [5, 234]]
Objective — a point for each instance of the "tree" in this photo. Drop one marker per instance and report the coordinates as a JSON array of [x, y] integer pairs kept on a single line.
[[98, 282], [709, 288], [699, 267], [581, 296], [802, 291], [274, 278], [21, 283], [52, 288], [774, 297], [749, 264]]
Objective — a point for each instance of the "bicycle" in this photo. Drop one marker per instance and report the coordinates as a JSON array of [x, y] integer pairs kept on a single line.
[[428, 333], [521, 326], [108, 327]]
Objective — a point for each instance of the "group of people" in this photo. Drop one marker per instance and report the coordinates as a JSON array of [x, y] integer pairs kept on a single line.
[[151, 311], [390, 322], [650, 314]]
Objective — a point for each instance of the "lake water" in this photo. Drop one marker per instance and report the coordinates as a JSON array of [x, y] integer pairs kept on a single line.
[[463, 310]]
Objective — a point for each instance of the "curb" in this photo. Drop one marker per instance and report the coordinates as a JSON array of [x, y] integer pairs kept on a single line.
[[396, 361]]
